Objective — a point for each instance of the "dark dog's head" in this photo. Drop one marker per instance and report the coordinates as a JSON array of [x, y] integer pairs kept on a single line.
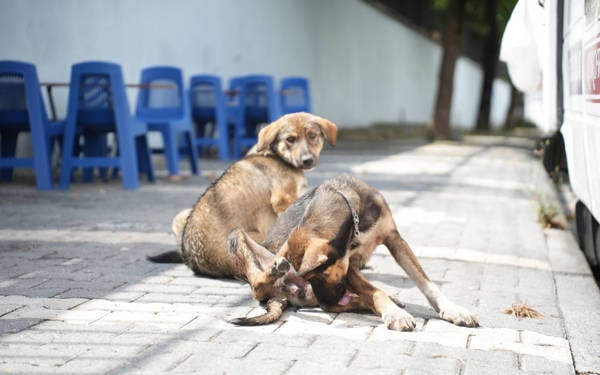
[[296, 138], [323, 264]]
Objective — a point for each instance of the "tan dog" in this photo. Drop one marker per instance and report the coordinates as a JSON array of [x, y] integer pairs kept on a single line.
[[328, 235], [250, 195]]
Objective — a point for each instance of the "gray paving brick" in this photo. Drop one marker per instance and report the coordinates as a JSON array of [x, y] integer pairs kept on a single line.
[[533, 364], [17, 324]]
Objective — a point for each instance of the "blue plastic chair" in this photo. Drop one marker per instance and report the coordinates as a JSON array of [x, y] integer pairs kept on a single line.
[[166, 109], [258, 104], [22, 110], [98, 106], [295, 95], [209, 113]]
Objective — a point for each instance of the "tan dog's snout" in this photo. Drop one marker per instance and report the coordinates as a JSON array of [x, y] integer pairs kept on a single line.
[[307, 159]]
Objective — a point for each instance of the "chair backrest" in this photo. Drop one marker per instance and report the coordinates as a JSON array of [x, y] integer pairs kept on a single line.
[[260, 97], [19, 92], [295, 95], [166, 101], [206, 97], [97, 94]]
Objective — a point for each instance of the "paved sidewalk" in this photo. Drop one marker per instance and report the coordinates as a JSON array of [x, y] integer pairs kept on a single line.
[[77, 295]]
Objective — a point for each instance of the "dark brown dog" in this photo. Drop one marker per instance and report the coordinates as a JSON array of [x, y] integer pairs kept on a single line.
[[327, 236], [250, 195]]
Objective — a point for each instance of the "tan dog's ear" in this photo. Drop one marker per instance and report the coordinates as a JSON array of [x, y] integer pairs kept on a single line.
[[267, 135], [328, 128]]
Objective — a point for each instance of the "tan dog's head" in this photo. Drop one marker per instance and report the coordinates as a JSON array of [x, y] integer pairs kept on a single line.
[[296, 138]]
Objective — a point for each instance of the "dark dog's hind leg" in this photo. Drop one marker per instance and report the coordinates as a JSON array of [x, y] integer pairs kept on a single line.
[[275, 308], [173, 256]]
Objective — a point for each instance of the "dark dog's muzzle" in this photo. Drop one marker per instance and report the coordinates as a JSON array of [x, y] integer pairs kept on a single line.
[[327, 294]]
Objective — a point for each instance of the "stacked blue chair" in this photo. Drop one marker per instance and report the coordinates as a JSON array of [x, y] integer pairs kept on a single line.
[[295, 95], [236, 115], [165, 109], [22, 110], [98, 106], [209, 113], [259, 104]]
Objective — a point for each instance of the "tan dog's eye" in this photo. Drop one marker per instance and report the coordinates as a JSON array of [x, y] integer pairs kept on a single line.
[[312, 136], [290, 139]]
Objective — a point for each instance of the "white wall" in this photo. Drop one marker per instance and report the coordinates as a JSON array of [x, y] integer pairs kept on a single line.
[[364, 66]]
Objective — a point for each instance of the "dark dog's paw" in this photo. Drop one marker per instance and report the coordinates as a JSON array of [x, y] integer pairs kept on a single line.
[[399, 320], [458, 315], [280, 267]]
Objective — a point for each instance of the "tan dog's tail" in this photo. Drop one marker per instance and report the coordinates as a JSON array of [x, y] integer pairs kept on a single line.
[[173, 256], [275, 308], [178, 223]]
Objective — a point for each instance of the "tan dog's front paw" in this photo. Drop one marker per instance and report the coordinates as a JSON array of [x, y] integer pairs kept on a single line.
[[399, 320], [459, 316]]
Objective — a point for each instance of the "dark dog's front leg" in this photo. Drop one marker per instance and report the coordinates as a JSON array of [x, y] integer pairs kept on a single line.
[[366, 296], [447, 309]]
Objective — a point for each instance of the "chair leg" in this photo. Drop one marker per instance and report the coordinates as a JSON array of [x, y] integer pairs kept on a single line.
[[68, 154], [128, 161], [171, 147], [145, 158], [192, 151], [8, 148], [42, 164], [223, 140]]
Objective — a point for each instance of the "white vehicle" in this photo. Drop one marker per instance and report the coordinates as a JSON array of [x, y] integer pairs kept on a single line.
[[580, 126], [552, 48]]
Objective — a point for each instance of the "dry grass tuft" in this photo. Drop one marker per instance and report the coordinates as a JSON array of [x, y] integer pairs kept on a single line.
[[548, 217], [522, 310]]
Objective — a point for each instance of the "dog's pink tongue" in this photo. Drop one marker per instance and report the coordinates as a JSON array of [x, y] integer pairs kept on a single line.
[[345, 300]]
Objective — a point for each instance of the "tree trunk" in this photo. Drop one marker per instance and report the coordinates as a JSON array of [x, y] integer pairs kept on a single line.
[[490, 58], [439, 128], [515, 99]]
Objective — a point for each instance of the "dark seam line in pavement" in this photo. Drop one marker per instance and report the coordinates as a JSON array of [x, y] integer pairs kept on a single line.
[[519, 361], [211, 338], [13, 310], [279, 324], [352, 358], [34, 324], [287, 369], [562, 316], [579, 274], [79, 304], [188, 322], [178, 363], [249, 351]]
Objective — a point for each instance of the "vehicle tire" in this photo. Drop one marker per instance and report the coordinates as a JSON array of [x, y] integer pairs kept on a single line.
[[596, 231], [590, 229], [579, 226]]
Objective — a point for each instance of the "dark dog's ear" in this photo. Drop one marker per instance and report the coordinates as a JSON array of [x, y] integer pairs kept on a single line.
[[328, 128], [268, 135], [304, 250], [313, 258]]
